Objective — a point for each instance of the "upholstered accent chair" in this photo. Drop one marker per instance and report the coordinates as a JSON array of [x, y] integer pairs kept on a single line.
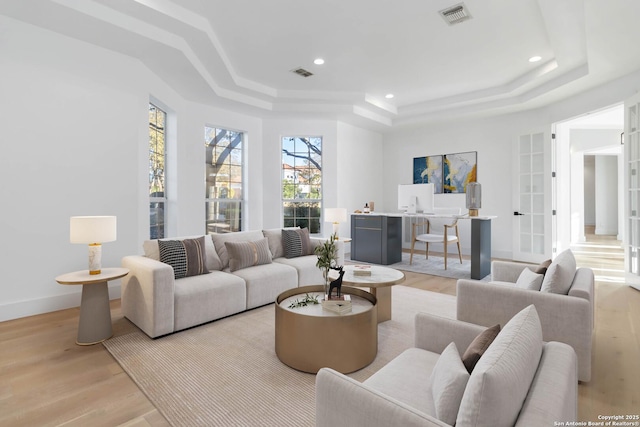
[[437, 230], [563, 296], [519, 380]]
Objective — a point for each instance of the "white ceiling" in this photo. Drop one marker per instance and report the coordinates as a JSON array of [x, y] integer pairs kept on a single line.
[[240, 52]]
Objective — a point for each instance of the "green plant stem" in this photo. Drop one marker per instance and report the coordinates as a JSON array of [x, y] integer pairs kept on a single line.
[[307, 300]]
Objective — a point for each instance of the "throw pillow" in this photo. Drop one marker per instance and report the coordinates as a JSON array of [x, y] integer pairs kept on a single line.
[[478, 346], [500, 382], [219, 240], [448, 381], [542, 267], [296, 243], [212, 261], [186, 257], [248, 254], [274, 235], [559, 276], [529, 280]]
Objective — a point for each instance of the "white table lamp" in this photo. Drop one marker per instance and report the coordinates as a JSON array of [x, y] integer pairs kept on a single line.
[[335, 216], [93, 231]]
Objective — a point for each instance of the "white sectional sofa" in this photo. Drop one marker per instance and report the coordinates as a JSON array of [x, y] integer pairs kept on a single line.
[[520, 380], [159, 304]]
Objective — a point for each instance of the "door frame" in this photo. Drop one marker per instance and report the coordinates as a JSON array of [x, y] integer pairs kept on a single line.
[[546, 196]]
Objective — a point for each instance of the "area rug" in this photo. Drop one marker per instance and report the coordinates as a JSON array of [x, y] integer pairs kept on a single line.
[[226, 373], [434, 266]]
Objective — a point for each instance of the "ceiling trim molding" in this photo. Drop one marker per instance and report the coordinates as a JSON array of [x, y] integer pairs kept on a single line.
[[169, 25]]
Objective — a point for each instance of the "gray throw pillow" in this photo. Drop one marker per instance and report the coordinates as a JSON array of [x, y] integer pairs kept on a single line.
[[559, 276], [448, 381], [296, 243], [529, 280], [499, 383], [186, 257], [248, 254]]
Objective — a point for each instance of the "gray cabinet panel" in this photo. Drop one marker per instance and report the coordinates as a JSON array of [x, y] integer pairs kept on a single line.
[[376, 239]]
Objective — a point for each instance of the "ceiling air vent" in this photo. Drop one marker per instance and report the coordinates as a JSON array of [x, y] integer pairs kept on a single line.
[[302, 72], [455, 14]]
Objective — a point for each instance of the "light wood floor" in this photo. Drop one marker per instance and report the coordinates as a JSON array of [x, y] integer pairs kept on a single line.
[[47, 380]]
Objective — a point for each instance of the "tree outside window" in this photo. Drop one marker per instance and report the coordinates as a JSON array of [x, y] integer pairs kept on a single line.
[[157, 162], [224, 183], [302, 182]]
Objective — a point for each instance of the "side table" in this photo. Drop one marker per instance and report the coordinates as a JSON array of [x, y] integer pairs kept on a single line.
[[379, 284], [94, 325]]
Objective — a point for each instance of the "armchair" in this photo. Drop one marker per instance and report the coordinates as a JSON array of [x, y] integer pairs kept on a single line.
[[402, 392], [565, 318]]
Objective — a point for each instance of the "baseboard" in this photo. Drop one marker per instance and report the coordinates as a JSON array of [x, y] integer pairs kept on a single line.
[[32, 307], [603, 231]]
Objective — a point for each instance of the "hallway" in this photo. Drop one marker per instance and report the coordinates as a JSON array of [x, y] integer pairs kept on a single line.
[[603, 254]]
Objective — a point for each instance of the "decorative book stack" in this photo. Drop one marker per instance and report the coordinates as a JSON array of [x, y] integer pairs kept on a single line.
[[362, 270], [340, 305]]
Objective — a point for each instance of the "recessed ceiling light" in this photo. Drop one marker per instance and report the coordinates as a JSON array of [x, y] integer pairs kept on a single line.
[[535, 58], [389, 96], [318, 61]]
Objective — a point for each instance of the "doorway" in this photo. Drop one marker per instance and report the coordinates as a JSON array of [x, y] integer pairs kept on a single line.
[[589, 166]]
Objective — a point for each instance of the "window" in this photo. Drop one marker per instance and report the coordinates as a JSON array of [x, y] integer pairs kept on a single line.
[[224, 185], [302, 182], [157, 161]]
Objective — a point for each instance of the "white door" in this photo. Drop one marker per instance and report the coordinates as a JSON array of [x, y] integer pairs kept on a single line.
[[532, 198], [631, 238]]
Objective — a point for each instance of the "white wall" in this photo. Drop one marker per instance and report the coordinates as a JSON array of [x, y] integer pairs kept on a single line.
[[580, 143], [360, 171], [75, 133], [577, 197], [492, 138], [70, 121], [590, 190], [606, 195]]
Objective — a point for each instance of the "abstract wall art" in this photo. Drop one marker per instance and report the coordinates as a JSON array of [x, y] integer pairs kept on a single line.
[[458, 170], [428, 170]]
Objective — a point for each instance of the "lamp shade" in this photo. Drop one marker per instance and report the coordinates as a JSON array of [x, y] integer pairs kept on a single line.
[[92, 229], [335, 214], [474, 198]]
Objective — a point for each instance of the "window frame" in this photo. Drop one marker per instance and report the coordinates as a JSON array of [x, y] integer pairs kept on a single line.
[[157, 200], [240, 203], [316, 230]]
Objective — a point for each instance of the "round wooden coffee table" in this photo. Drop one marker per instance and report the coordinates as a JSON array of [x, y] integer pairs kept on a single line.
[[310, 338], [379, 284]]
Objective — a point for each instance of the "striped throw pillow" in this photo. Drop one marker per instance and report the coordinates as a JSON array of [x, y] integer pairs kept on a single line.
[[296, 243], [187, 257], [248, 254]]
